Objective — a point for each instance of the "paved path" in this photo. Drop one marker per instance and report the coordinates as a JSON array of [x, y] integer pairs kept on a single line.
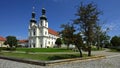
[[112, 61]]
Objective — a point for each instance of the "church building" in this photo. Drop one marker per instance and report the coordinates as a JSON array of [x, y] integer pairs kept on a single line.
[[40, 35]]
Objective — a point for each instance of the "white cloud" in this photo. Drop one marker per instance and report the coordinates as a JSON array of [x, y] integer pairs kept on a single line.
[[114, 27]]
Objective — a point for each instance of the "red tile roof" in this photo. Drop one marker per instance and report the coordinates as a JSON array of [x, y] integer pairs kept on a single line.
[[2, 38], [53, 32], [23, 41]]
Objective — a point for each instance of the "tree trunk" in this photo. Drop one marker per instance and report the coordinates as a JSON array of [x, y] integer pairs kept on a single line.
[[79, 48], [67, 46], [80, 52], [89, 51], [11, 46], [98, 47]]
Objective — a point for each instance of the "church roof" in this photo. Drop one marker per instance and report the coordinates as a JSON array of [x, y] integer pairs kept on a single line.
[[23, 41], [2, 38], [53, 32]]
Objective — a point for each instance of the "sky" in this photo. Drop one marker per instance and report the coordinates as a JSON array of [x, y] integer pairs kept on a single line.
[[15, 15]]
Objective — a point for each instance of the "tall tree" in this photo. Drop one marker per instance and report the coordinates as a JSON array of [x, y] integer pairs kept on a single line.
[[87, 19], [11, 40], [58, 42], [67, 33]]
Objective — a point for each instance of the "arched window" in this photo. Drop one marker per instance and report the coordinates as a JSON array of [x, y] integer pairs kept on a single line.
[[46, 24], [41, 23], [34, 45], [34, 32], [45, 32]]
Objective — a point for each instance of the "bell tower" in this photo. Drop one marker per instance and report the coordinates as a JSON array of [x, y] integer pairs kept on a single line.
[[32, 30], [43, 19], [43, 28]]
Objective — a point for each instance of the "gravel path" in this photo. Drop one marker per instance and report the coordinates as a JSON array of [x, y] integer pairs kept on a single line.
[[112, 61]]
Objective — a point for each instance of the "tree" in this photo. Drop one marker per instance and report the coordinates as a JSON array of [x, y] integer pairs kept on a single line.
[[101, 38], [87, 19], [70, 36], [58, 42], [115, 41], [104, 39], [78, 42], [11, 40], [67, 33]]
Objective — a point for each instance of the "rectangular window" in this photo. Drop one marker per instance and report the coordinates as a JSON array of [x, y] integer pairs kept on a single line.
[[49, 42]]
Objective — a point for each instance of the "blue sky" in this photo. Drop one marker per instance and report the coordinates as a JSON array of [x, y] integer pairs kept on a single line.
[[15, 14]]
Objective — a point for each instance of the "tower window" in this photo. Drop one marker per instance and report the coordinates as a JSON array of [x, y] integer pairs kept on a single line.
[[45, 33], [34, 32], [41, 23], [46, 24]]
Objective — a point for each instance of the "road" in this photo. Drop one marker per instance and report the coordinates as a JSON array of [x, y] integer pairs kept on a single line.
[[112, 61]]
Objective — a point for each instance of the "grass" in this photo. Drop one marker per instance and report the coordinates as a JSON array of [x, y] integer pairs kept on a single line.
[[46, 57], [43, 50]]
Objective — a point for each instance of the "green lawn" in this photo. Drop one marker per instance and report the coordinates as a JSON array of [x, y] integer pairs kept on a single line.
[[39, 56], [43, 50], [95, 49]]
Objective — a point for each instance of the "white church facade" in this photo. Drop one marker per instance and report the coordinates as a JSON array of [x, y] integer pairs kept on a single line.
[[40, 36]]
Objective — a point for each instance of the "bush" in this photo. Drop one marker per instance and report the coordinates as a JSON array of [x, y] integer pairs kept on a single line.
[[9, 49], [0, 49], [57, 57], [115, 48], [118, 48], [19, 46]]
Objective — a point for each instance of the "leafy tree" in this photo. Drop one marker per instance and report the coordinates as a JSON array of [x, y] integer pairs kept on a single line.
[[58, 42], [104, 39], [115, 41], [78, 42], [87, 19], [67, 33], [11, 40], [70, 36]]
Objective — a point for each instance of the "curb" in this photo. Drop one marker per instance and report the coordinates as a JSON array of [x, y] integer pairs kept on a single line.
[[47, 63], [29, 61], [75, 60]]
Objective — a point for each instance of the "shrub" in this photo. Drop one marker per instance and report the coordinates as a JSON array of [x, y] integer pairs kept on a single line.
[[115, 48], [10, 49], [0, 49]]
